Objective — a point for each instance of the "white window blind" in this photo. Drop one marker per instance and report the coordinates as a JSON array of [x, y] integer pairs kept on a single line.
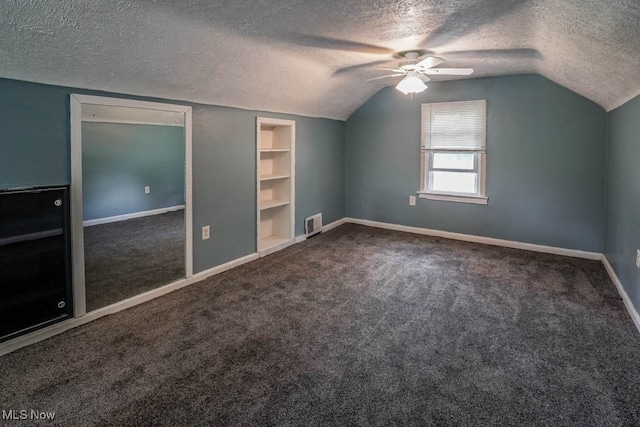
[[453, 153], [454, 126]]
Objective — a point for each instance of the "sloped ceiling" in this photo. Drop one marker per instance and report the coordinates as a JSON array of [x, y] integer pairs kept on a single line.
[[306, 56]]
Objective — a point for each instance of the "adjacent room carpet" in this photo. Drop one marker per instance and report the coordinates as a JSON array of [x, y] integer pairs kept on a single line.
[[358, 326], [127, 258]]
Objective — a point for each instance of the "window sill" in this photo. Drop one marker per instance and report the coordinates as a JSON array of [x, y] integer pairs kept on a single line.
[[478, 200]]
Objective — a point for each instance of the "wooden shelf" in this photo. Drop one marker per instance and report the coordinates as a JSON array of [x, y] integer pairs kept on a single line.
[[268, 204], [273, 176], [275, 140], [271, 241], [275, 150]]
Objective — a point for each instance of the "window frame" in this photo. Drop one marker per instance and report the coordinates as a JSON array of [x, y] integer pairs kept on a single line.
[[426, 167]]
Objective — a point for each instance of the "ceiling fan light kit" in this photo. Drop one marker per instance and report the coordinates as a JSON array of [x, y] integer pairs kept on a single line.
[[411, 84], [416, 73]]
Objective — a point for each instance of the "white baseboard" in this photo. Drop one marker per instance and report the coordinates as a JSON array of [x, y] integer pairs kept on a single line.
[[625, 297], [125, 217], [511, 244], [479, 239], [335, 224], [58, 328], [330, 226], [276, 248]]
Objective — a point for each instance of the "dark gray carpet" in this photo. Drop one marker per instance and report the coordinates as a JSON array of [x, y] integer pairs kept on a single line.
[[127, 258], [358, 326]]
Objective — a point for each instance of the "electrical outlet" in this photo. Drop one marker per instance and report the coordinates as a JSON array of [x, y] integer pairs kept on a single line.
[[638, 258], [412, 200], [206, 232], [147, 189]]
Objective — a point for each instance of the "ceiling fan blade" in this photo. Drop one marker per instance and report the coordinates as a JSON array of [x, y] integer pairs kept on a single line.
[[424, 77], [334, 43], [384, 77], [449, 71], [395, 70], [518, 53], [430, 61], [470, 17], [357, 66]]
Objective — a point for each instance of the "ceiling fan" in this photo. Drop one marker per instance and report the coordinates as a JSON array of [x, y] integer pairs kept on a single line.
[[416, 72]]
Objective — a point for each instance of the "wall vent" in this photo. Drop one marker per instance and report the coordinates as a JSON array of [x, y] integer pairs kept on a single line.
[[313, 224]]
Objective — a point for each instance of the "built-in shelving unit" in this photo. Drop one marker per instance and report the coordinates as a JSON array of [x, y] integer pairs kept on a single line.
[[276, 187]]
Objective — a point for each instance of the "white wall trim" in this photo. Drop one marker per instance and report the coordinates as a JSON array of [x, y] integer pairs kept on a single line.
[[63, 326], [276, 248], [625, 297], [478, 200], [479, 239], [188, 190], [134, 215], [334, 224], [58, 328], [129, 103], [75, 197], [635, 316], [330, 226], [126, 115], [129, 122]]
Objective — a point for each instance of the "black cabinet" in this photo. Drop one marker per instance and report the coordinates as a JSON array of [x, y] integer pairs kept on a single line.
[[35, 253]]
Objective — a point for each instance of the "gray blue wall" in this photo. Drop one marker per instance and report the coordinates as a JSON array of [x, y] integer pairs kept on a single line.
[[545, 170], [622, 236], [224, 162], [119, 160], [35, 150], [545, 164]]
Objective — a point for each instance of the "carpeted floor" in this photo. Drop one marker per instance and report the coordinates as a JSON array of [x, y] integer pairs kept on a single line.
[[127, 258], [358, 326]]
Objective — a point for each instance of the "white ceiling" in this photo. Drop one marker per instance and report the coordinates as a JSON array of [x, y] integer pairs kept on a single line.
[[305, 56]]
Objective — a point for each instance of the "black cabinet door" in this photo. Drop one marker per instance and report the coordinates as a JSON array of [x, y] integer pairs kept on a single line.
[[35, 287]]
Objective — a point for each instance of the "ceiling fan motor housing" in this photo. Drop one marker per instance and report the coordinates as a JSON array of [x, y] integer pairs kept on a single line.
[[411, 60], [408, 65]]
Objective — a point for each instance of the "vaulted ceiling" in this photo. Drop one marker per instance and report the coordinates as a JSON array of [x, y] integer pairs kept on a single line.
[[312, 57]]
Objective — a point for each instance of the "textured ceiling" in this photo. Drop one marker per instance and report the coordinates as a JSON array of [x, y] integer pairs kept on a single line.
[[305, 56]]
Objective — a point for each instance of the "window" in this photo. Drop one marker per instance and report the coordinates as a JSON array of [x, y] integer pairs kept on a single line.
[[453, 151]]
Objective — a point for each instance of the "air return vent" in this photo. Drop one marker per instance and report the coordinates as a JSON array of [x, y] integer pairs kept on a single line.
[[313, 224]]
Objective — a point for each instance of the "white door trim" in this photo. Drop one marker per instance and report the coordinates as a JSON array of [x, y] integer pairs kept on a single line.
[[77, 235]]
